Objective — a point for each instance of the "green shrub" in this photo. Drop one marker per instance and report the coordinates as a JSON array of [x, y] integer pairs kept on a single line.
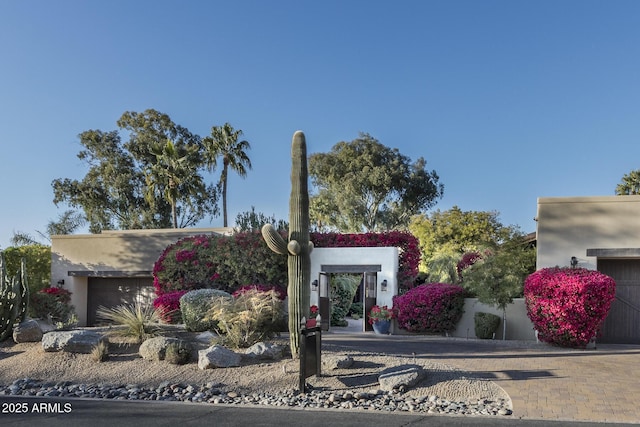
[[343, 289], [486, 324], [140, 321], [177, 354], [249, 318], [338, 315], [51, 303], [194, 306], [357, 309]]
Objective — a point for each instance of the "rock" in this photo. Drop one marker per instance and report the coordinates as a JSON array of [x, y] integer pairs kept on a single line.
[[330, 363], [206, 337], [217, 357], [27, 331], [401, 377], [76, 341], [156, 348], [263, 351]]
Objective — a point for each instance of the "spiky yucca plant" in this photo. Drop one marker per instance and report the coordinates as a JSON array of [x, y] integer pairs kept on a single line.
[[140, 321]]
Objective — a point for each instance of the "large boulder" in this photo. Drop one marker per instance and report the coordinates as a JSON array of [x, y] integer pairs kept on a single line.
[[27, 331], [401, 377], [156, 348], [76, 341], [217, 356]]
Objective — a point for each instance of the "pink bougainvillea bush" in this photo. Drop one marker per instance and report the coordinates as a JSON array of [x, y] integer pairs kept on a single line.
[[432, 307], [169, 306], [567, 306]]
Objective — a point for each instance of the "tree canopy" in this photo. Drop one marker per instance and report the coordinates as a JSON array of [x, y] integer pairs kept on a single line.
[[115, 193], [630, 184], [363, 185], [459, 230], [446, 235]]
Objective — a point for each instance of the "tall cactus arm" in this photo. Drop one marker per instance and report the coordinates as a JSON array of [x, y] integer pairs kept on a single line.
[[273, 239], [24, 292]]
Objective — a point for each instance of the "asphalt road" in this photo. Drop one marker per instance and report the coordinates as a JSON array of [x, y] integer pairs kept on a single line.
[[27, 412]]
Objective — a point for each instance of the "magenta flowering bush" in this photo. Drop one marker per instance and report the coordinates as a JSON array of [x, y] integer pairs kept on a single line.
[[217, 262], [567, 306], [432, 307], [169, 306]]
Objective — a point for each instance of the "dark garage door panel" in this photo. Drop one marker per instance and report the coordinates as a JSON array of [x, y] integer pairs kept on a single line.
[[112, 291], [622, 325]]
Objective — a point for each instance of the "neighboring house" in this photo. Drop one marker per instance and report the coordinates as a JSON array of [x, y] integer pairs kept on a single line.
[[598, 233], [113, 267]]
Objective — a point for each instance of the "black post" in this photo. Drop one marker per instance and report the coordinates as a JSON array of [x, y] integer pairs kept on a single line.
[[310, 354]]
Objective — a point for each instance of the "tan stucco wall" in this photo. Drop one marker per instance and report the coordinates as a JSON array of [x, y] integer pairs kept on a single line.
[[568, 226], [129, 251]]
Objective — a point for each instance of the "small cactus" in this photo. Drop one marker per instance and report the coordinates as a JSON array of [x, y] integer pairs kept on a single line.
[[14, 298], [298, 247]]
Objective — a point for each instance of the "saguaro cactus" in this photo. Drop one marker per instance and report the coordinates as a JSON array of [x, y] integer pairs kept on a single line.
[[299, 247], [14, 298]]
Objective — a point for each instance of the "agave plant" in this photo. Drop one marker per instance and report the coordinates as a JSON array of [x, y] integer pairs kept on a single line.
[[140, 321]]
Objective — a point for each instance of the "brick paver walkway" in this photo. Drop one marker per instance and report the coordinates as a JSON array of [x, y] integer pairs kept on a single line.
[[544, 382]]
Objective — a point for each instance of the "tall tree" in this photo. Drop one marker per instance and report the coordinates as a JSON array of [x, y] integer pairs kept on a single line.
[[630, 184], [459, 231], [363, 185], [498, 277], [223, 143], [447, 235], [112, 193], [172, 177]]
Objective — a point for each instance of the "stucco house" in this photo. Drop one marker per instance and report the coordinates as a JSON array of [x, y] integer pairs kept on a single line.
[[113, 267]]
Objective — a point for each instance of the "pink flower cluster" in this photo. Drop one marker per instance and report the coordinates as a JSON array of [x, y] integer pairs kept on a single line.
[[60, 294], [567, 306], [432, 307]]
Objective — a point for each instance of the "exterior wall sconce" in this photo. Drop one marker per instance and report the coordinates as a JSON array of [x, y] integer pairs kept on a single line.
[[314, 285], [574, 262], [383, 285], [61, 282]]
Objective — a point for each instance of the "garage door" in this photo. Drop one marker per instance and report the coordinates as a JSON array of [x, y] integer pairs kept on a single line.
[[113, 291], [622, 325]]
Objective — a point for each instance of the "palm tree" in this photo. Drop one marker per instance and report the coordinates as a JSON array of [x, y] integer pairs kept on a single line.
[[224, 143], [166, 176]]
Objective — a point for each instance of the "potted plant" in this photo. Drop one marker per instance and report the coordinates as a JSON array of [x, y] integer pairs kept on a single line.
[[380, 319], [313, 313]]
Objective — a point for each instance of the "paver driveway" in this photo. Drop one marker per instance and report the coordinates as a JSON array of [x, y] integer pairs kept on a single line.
[[544, 382]]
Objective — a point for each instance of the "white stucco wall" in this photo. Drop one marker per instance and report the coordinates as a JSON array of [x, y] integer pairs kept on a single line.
[[568, 226], [386, 257]]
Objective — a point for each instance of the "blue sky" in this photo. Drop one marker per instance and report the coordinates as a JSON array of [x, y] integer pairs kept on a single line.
[[507, 101]]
